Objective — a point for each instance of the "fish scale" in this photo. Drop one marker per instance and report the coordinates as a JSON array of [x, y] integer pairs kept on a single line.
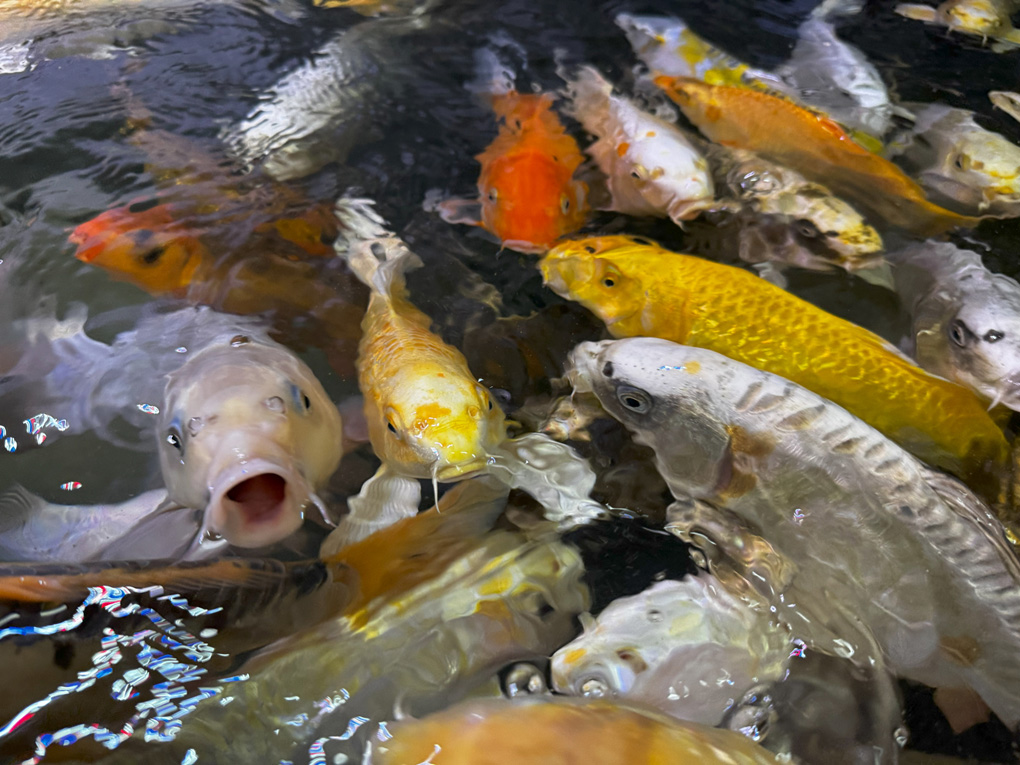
[[733, 312], [920, 561]]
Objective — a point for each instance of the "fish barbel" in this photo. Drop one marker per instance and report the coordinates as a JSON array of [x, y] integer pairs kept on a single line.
[[965, 320], [917, 559], [640, 289], [563, 731], [652, 167], [813, 145], [973, 170], [248, 433]]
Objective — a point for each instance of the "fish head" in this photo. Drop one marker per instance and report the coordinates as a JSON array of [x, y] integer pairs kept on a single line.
[[979, 17], [983, 344], [143, 243], [248, 434], [819, 214], [669, 173], [529, 200], [586, 270], [982, 164], [440, 424], [667, 396]]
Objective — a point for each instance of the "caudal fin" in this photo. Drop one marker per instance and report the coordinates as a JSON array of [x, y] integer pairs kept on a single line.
[[376, 255]]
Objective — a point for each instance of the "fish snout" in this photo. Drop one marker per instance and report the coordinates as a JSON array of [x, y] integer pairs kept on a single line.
[[257, 501], [458, 446]]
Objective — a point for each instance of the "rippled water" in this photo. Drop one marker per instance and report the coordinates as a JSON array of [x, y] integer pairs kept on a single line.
[[197, 67]]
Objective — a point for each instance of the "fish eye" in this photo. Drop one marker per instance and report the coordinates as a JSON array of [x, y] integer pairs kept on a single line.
[[958, 333], [609, 282], [634, 399], [565, 205], [807, 229], [589, 249], [308, 402], [960, 161], [174, 439], [490, 404], [391, 427], [153, 255], [493, 195], [993, 336]]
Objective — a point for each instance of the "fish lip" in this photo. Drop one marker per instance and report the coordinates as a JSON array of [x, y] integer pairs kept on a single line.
[[462, 470], [249, 524]]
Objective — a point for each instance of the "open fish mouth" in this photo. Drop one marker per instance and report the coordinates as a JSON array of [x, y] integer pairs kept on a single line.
[[258, 503]]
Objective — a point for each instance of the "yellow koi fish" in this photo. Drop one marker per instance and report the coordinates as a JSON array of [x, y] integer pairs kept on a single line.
[[814, 146], [640, 289], [427, 414]]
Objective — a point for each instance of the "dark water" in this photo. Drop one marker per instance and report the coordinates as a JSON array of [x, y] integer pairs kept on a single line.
[[64, 158]]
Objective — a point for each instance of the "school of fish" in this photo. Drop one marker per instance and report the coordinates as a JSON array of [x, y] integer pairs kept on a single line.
[[593, 454]]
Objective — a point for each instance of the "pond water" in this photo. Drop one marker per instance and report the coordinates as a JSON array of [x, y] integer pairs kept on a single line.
[[107, 103]]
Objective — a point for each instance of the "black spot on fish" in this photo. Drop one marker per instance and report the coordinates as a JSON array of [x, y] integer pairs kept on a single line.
[[607, 370]]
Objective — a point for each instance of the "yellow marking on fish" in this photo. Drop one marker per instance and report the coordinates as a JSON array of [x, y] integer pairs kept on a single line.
[[431, 412], [573, 655], [692, 367]]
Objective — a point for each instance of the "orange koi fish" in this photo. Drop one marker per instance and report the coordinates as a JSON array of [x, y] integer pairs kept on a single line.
[[813, 145], [528, 196]]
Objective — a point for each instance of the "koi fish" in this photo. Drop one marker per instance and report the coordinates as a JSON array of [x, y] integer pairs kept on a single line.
[[965, 320], [427, 414], [981, 18], [786, 199], [640, 289], [961, 164], [527, 195], [668, 46], [814, 146], [653, 169], [922, 564], [562, 730]]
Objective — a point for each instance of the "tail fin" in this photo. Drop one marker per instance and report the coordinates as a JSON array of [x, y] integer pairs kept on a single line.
[[588, 92], [376, 255]]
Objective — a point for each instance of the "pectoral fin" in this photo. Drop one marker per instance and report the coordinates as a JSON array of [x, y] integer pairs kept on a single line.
[[385, 498]]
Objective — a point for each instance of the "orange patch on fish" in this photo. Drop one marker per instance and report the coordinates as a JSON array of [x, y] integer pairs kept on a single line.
[[622, 148], [431, 412]]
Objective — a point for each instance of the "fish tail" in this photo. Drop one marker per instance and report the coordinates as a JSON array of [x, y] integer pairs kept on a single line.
[[374, 253], [588, 92]]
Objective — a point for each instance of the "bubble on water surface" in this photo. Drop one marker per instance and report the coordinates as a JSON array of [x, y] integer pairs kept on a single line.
[[10, 444], [148, 408], [70, 486]]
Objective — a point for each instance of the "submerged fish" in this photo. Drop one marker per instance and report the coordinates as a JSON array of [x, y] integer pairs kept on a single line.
[[317, 113], [34, 30], [427, 414], [982, 18], [651, 166], [787, 198], [527, 195], [973, 170], [824, 72], [965, 320], [813, 145], [404, 622], [561, 730], [639, 288], [710, 652], [668, 46], [834, 77], [920, 562], [688, 648], [1006, 100]]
